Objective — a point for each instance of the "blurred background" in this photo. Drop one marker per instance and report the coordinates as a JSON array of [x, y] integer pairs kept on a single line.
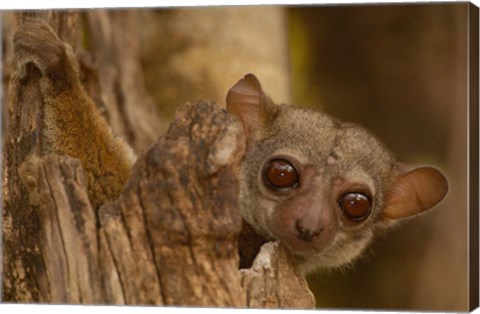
[[399, 70]]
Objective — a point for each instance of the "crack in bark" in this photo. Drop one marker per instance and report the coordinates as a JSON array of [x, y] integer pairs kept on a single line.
[[119, 275], [150, 243], [57, 220], [171, 199]]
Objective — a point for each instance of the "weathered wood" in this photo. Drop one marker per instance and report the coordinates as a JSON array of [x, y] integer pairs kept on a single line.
[[23, 264], [67, 238], [274, 281], [180, 213], [170, 239]]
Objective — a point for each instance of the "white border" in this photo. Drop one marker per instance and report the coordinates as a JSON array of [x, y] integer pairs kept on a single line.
[[50, 4]]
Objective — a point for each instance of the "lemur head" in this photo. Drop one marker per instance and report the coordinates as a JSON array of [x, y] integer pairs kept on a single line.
[[320, 186]]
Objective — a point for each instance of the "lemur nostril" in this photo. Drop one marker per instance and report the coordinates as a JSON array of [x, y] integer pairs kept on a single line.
[[307, 234]]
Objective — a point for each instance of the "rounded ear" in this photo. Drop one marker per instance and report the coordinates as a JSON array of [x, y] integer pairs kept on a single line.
[[244, 100], [247, 101], [415, 192]]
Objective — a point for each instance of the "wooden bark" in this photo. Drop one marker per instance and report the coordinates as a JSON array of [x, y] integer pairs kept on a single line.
[[274, 281], [169, 239], [67, 239], [117, 94], [23, 264]]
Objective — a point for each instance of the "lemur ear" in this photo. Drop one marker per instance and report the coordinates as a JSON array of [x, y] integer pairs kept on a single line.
[[415, 192], [247, 101]]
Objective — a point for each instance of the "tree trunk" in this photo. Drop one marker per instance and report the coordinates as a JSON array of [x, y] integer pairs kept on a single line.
[[169, 239], [226, 43], [23, 264], [112, 46]]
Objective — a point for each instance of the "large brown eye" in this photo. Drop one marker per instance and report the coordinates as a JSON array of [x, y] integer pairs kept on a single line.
[[356, 206], [280, 174]]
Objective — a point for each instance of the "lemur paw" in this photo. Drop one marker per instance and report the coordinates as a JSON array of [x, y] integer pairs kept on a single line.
[[36, 42]]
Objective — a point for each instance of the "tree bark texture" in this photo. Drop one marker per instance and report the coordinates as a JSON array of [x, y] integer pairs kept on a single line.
[[272, 269], [169, 239], [23, 264], [117, 96]]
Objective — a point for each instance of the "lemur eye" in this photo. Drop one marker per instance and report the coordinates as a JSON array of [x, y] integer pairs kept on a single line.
[[280, 174], [356, 206]]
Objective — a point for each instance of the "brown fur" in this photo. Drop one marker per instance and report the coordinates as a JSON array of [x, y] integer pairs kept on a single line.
[[71, 123]]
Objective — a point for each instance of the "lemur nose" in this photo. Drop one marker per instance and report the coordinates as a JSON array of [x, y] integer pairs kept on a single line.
[[305, 233]]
